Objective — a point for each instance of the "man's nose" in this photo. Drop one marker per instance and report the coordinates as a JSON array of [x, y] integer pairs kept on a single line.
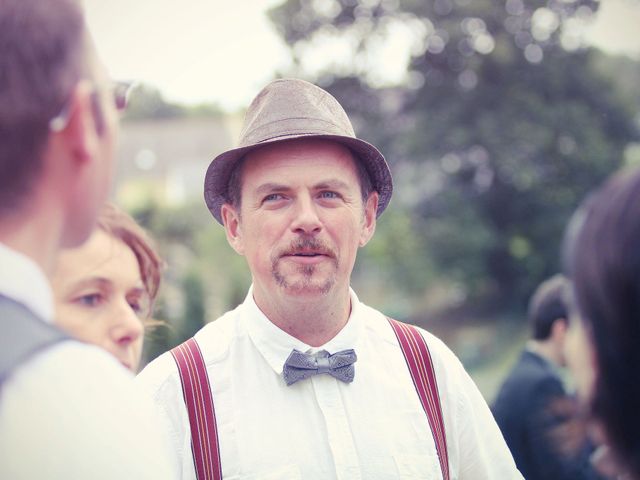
[[306, 219]]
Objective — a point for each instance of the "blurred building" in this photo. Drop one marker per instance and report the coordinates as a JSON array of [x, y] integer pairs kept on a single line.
[[164, 160]]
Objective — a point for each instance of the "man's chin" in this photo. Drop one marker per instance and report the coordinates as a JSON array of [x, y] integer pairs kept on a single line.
[[307, 287]]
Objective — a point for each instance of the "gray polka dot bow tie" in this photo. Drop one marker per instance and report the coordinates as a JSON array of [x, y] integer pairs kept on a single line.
[[304, 365]]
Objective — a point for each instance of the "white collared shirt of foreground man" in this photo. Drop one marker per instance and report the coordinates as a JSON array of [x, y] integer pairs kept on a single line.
[[110, 437]]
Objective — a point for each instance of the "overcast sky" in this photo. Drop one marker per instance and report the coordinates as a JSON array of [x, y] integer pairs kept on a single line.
[[224, 51]]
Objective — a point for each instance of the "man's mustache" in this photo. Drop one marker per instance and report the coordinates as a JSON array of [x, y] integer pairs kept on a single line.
[[303, 246]]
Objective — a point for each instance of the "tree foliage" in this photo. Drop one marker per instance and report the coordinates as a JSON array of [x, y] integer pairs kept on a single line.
[[203, 279], [147, 102], [502, 125]]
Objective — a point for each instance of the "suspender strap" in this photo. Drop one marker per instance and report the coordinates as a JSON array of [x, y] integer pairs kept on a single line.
[[418, 358], [199, 401]]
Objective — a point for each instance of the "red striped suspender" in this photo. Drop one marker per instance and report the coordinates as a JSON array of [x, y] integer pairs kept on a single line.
[[416, 353], [204, 432], [202, 417]]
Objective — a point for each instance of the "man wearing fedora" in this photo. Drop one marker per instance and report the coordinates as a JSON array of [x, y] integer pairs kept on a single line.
[[302, 380]]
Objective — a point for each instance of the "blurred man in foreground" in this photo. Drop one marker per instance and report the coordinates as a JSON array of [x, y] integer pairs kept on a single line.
[[67, 410]]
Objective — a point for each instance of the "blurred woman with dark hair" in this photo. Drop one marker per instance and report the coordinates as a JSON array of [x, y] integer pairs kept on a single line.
[[602, 252], [105, 289]]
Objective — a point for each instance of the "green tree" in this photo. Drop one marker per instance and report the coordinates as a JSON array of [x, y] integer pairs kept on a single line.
[[203, 279], [194, 308], [502, 127], [147, 102]]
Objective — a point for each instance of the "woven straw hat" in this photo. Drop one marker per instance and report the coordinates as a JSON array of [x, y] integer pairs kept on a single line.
[[288, 109]]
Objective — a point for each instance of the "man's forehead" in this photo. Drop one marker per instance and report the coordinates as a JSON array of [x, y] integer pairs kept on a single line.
[[300, 150], [319, 183]]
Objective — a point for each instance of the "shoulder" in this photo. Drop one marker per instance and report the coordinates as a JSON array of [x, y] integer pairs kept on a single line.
[[72, 366], [377, 325], [451, 375], [79, 374], [532, 370], [80, 403], [456, 388], [214, 340], [216, 337], [445, 362]]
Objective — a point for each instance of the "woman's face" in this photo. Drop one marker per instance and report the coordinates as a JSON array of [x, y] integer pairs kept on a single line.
[[580, 357], [100, 298]]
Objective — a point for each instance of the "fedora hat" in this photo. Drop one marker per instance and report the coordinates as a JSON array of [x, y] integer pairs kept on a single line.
[[289, 109]]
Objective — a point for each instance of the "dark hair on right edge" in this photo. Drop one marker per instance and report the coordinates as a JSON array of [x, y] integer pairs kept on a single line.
[[548, 304], [42, 45], [602, 253]]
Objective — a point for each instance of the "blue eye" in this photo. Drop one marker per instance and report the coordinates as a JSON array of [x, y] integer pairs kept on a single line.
[[329, 195], [90, 299], [272, 197]]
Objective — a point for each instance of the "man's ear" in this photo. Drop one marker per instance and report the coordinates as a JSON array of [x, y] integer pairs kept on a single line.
[[232, 227], [559, 328], [80, 136], [369, 221]]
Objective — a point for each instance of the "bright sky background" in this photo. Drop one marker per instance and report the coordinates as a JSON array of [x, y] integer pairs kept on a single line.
[[224, 51]]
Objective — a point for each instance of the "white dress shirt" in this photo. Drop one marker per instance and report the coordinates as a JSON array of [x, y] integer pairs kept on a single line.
[[322, 428], [72, 411]]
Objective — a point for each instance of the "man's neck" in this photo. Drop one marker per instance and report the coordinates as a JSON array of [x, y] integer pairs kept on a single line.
[[312, 319], [35, 236], [546, 350]]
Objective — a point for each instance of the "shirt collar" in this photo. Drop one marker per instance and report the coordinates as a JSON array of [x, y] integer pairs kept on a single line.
[[275, 344], [22, 280]]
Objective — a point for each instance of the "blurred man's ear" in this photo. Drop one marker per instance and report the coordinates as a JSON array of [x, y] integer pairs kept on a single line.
[[77, 166], [232, 227], [559, 329], [369, 221]]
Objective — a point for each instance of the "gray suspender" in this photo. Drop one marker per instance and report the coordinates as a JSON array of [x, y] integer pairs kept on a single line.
[[22, 335]]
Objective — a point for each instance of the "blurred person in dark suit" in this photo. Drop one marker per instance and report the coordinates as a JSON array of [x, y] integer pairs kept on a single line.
[[533, 403]]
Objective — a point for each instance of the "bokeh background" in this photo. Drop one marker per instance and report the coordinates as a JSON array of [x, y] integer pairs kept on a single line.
[[496, 117]]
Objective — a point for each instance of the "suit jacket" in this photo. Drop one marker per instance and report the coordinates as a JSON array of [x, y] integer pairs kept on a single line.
[[527, 411]]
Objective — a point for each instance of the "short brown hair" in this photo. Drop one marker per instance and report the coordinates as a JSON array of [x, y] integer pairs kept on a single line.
[[118, 224], [42, 57], [548, 304]]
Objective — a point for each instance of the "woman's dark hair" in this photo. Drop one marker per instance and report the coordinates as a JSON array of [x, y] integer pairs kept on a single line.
[[602, 254]]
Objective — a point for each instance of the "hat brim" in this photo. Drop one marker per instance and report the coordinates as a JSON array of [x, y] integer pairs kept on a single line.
[[217, 177]]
